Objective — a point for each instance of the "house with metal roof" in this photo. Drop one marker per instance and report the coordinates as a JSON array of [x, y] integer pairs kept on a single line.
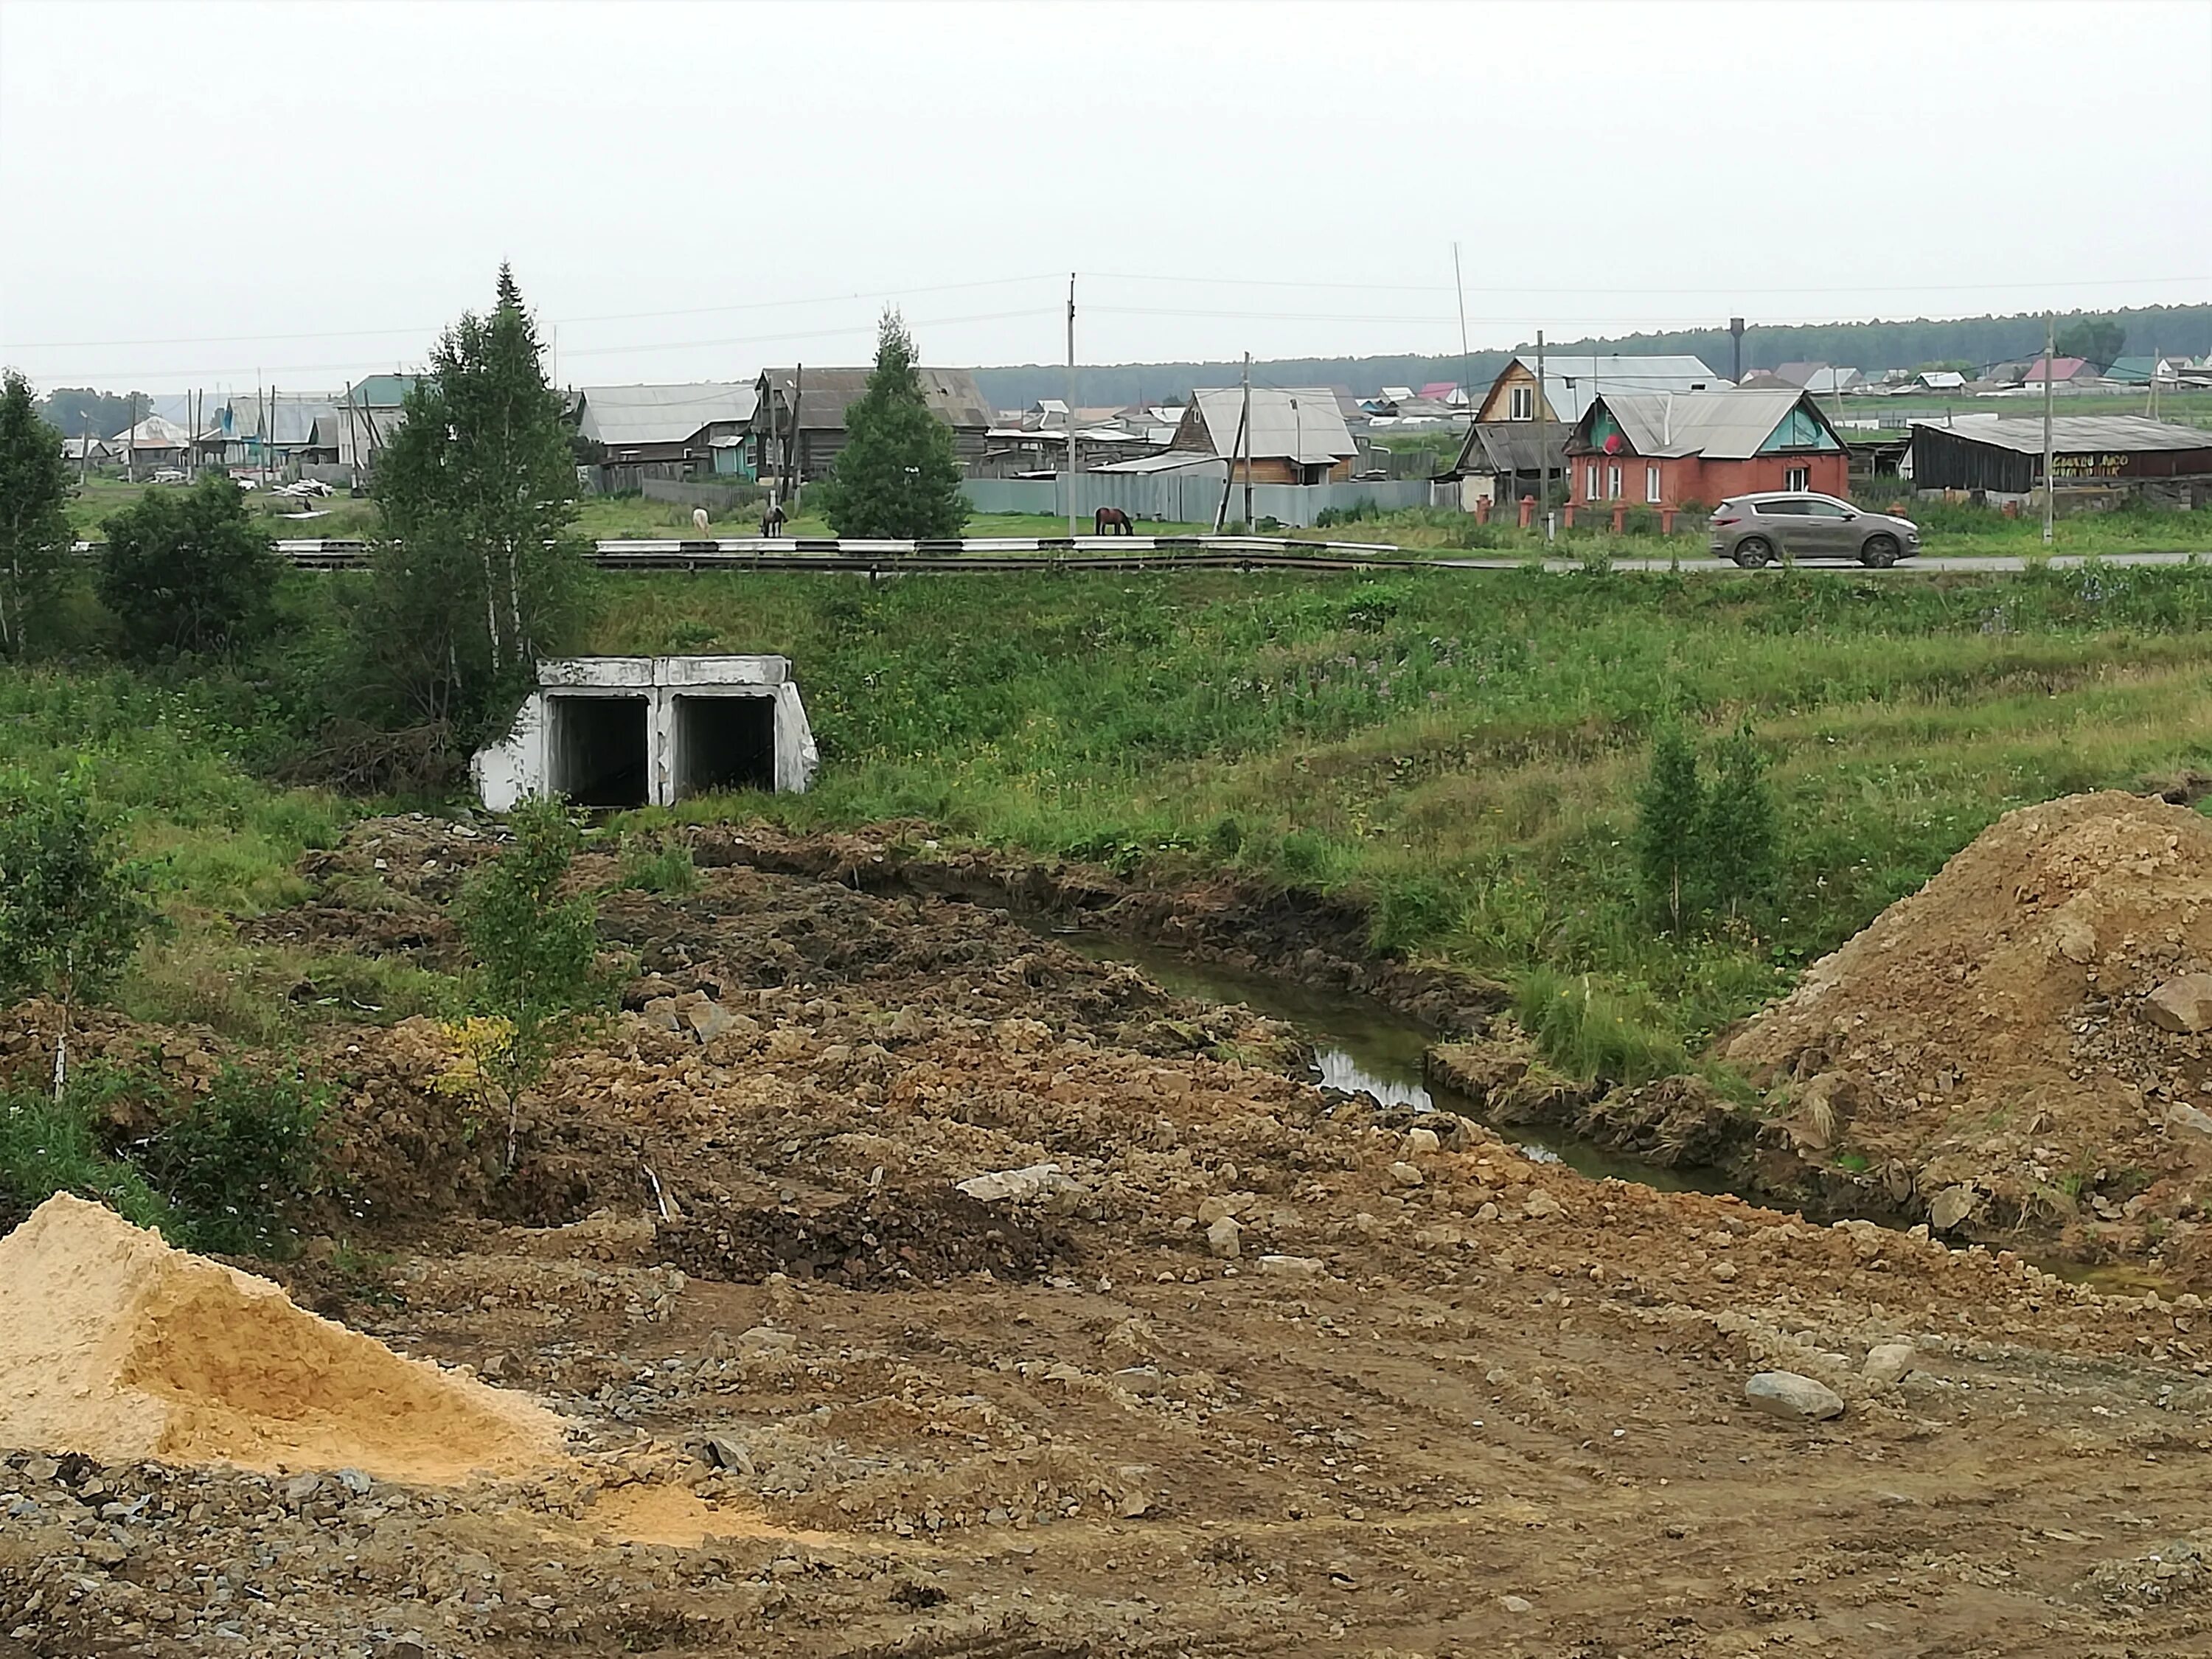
[[369, 412], [1571, 382], [1693, 449], [663, 431], [1298, 433], [2062, 372], [1508, 461], [246, 427], [2117, 452], [798, 416], [1823, 379]]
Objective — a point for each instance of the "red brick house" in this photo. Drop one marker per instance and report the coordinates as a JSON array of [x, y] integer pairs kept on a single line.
[[1676, 449]]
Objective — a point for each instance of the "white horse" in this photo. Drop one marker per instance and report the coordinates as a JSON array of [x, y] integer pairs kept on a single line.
[[699, 519]]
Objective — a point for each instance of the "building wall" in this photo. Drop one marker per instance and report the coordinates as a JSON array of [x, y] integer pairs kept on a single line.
[[1498, 405], [1688, 479]]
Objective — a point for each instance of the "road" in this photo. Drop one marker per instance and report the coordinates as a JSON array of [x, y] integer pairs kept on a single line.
[[1976, 564]]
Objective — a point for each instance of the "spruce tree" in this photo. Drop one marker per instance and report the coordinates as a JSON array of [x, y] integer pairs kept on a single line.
[[480, 571], [34, 527], [897, 475], [1736, 832], [1670, 817]]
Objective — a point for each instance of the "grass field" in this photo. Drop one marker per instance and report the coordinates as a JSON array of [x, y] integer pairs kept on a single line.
[[1463, 755], [1460, 754]]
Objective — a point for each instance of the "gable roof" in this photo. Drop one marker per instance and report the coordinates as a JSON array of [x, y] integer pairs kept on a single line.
[[1817, 377], [1294, 423], [824, 395], [292, 420], [1508, 446], [152, 433], [2061, 368], [1570, 382], [628, 415], [1729, 425], [1941, 380], [380, 392]]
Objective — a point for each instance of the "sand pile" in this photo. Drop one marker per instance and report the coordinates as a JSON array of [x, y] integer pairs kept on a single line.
[[1996, 1027], [114, 1345]]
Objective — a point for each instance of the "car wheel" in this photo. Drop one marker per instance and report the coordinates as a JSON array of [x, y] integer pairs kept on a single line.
[[1880, 552], [1753, 551]]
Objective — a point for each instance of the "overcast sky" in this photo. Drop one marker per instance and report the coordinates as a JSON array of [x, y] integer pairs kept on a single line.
[[217, 195]]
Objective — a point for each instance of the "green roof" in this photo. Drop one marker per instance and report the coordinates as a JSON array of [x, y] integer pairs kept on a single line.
[[380, 391]]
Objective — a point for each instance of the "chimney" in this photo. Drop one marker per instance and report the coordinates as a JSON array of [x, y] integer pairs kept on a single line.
[[1735, 334]]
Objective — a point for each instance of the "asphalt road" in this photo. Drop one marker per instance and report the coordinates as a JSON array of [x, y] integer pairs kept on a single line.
[[1921, 564]]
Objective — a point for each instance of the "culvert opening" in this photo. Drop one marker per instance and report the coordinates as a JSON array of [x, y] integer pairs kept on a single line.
[[724, 744], [597, 749]]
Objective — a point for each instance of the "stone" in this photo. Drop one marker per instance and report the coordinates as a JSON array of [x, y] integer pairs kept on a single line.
[[1032, 1181], [1724, 1271], [300, 1487], [765, 1340], [1890, 1361], [1487, 1213], [2075, 939], [2181, 1003], [1224, 1204], [2180, 1114], [709, 1019], [1785, 1394], [1405, 1174], [1419, 1141], [1291, 1266], [1541, 1204], [1951, 1207], [1516, 1604], [662, 1012], [1222, 1238]]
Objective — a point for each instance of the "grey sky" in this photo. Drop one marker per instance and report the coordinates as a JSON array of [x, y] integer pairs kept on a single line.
[[1283, 178]]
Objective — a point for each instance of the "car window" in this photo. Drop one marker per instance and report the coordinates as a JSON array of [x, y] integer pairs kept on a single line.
[[1781, 510], [1824, 510]]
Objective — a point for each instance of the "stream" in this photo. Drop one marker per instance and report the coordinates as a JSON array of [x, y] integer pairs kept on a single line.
[[1362, 1046]]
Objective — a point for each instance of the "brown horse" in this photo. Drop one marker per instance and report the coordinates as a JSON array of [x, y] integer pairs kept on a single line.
[[1112, 521]]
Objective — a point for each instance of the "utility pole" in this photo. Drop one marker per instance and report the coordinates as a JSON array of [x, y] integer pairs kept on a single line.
[[2050, 497], [1466, 371], [1543, 439], [1244, 430], [1071, 405], [130, 442]]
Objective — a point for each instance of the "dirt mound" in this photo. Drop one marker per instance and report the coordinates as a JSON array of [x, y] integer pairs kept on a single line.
[[113, 1344], [1994, 1036]]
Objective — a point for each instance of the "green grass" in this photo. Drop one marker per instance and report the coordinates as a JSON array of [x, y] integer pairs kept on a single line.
[[342, 515], [1461, 754]]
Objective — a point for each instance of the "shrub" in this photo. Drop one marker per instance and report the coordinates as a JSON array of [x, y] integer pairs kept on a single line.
[[188, 573], [1669, 815], [48, 1145], [230, 1160]]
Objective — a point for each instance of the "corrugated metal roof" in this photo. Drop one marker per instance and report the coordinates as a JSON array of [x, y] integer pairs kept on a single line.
[[1298, 422], [1172, 460], [291, 423], [1570, 382], [152, 433], [380, 392], [2072, 434], [1498, 446], [625, 415], [1724, 426], [825, 394]]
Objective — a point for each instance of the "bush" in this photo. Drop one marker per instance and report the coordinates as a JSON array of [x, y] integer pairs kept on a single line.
[[48, 1145], [188, 573], [230, 1160]]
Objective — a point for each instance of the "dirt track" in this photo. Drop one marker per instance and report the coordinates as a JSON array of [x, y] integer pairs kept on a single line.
[[1501, 1410]]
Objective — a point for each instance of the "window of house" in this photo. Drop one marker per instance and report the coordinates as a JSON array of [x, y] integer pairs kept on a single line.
[[1521, 404], [1652, 483], [1590, 482], [1797, 477], [1612, 483]]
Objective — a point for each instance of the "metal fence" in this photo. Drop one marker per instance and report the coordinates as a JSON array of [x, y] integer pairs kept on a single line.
[[1187, 496]]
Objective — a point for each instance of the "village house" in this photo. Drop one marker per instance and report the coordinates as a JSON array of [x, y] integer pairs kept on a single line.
[[670, 432], [1572, 381], [2064, 373], [154, 442], [370, 413], [282, 430], [798, 416], [1298, 435], [1676, 450]]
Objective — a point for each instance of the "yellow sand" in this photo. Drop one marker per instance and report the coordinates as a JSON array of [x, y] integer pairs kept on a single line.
[[114, 1345]]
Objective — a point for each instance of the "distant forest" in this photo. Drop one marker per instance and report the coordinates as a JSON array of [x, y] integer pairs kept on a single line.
[[1867, 347]]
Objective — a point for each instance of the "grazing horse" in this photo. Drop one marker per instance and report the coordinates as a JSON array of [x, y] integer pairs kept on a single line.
[[699, 519], [1112, 521], [772, 520]]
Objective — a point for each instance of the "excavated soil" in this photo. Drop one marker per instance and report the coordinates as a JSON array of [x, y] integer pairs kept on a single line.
[[1234, 1367], [1986, 1053]]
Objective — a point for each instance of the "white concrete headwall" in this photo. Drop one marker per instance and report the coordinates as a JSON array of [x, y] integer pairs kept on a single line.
[[522, 764]]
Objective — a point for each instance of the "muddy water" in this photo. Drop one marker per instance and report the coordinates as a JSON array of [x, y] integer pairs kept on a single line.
[[1362, 1046]]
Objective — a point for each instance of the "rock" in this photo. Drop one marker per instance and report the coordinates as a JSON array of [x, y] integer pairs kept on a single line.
[[1724, 1271], [2184, 1004], [2180, 1114], [662, 1012], [709, 1020], [1487, 1213], [1516, 1604], [1291, 1266], [1421, 1140], [765, 1340], [725, 1453], [1221, 1205], [2074, 938], [354, 1482], [1222, 1238], [1541, 1204], [1951, 1207], [1785, 1394], [300, 1487], [1405, 1174], [1890, 1361], [1031, 1181]]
